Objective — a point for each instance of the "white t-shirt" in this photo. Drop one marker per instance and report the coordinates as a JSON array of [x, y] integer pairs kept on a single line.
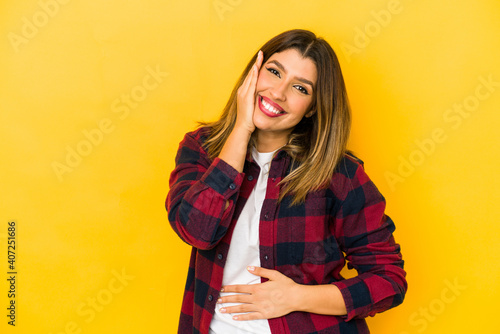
[[243, 252]]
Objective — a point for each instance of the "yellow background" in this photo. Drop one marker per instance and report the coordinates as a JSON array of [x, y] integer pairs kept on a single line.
[[66, 69]]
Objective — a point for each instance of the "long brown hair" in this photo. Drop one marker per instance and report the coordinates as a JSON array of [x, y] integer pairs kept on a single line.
[[317, 143]]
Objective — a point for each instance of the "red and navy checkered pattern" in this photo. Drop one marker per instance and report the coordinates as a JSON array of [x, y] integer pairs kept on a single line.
[[309, 243]]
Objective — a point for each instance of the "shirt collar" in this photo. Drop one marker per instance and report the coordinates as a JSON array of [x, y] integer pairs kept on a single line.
[[281, 154]]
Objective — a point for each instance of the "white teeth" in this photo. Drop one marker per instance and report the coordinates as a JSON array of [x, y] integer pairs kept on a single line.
[[270, 107]]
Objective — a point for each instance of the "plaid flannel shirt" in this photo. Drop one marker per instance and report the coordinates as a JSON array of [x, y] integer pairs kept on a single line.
[[306, 242]]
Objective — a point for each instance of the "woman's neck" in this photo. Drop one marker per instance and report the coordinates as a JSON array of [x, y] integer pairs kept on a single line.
[[270, 142]]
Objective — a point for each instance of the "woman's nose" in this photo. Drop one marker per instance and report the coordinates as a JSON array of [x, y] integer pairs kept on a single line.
[[278, 92]]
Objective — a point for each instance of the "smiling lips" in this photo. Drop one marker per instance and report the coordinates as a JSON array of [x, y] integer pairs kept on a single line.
[[270, 108]]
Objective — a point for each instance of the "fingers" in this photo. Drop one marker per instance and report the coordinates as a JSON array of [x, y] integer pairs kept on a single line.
[[246, 83], [251, 78], [242, 288], [271, 274], [260, 57], [263, 300], [255, 71], [255, 74], [240, 298], [245, 304], [246, 96], [243, 308], [263, 272]]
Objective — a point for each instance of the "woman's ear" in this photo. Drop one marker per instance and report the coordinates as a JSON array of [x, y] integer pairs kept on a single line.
[[310, 113]]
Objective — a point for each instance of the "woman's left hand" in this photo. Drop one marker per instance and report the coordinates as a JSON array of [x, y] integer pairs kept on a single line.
[[271, 299]]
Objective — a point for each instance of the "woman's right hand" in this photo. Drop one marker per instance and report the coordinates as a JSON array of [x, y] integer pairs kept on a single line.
[[246, 97], [235, 148]]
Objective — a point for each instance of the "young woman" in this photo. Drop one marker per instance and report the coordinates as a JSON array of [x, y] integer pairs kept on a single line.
[[274, 205]]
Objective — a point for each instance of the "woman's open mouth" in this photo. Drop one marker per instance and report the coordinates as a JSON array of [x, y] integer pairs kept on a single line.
[[269, 108]]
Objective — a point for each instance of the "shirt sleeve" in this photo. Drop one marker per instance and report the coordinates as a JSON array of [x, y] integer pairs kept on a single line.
[[202, 194], [365, 235]]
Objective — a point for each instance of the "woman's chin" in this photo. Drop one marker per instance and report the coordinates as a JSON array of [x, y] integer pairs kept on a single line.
[[262, 126]]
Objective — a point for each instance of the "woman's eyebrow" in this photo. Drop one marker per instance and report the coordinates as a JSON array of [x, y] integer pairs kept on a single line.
[[281, 67]]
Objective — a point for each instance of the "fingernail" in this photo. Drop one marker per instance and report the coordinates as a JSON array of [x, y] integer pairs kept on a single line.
[[235, 317], [222, 289], [251, 268], [219, 300], [222, 310]]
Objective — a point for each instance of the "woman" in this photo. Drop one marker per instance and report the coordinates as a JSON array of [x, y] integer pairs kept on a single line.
[[274, 205]]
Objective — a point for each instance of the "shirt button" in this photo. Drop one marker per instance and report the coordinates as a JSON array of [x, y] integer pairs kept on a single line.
[[266, 216], [250, 178], [219, 256], [232, 186], [266, 257], [210, 298]]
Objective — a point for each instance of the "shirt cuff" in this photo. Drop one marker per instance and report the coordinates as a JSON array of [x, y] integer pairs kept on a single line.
[[223, 178], [356, 297]]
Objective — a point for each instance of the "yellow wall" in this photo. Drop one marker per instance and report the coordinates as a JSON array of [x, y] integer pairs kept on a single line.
[[120, 82]]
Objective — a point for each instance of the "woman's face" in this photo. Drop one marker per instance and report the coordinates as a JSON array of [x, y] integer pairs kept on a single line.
[[284, 93]]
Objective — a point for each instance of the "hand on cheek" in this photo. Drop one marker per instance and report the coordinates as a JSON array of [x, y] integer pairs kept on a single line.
[[246, 97]]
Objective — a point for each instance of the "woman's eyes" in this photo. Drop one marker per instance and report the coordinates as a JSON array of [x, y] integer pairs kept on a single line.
[[273, 71], [302, 90], [276, 73]]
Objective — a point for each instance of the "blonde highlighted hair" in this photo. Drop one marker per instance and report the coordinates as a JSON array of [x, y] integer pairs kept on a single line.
[[318, 143]]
